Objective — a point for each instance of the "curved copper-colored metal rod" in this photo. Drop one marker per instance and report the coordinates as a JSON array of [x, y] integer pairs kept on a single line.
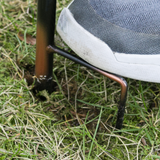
[[120, 80], [124, 87]]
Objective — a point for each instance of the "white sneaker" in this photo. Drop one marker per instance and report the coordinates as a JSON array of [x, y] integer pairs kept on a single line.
[[118, 36]]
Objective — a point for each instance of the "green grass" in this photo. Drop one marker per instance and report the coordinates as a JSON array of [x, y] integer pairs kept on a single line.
[[51, 129]]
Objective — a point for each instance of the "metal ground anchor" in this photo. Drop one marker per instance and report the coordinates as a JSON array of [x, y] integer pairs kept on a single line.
[[118, 79]]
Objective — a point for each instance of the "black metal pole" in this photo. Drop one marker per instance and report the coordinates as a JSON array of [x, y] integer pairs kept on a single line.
[[45, 36]]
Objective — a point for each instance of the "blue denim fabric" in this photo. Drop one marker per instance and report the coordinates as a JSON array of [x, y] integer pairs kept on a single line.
[[138, 15]]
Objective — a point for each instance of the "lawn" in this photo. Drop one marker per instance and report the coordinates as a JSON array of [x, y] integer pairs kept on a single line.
[[77, 121]]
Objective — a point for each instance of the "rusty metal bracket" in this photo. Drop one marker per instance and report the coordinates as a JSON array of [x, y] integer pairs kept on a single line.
[[118, 79]]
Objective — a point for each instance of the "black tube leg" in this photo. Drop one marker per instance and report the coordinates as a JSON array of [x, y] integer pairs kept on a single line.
[[121, 107], [45, 36], [120, 80], [120, 116]]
